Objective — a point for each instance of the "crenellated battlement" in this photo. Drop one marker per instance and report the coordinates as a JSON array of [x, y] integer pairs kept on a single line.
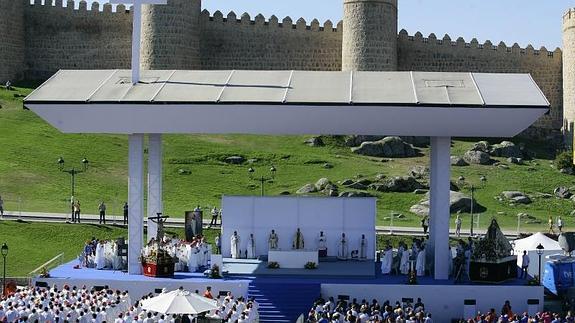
[[273, 22], [474, 44], [95, 9]]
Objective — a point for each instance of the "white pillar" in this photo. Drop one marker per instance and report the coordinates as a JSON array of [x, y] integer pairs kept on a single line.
[[135, 202], [439, 205], [154, 181]]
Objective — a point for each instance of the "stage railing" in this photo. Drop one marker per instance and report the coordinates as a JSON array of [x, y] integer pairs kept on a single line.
[[46, 267]]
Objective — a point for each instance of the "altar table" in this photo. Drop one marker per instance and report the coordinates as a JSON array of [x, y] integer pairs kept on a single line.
[[293, 258]]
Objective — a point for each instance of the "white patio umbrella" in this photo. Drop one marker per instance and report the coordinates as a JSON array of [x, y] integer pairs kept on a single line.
[[179, 302]]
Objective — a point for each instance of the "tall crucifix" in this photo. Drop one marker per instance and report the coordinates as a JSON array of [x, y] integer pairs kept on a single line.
[[137, 31]]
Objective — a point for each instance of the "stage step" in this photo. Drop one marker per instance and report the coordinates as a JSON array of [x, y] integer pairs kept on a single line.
[[280, 302]]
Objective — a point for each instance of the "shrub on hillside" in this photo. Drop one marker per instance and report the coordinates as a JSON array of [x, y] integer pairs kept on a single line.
[[564, 160]]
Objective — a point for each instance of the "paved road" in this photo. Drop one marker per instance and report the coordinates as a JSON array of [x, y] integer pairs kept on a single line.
[[179, 222]]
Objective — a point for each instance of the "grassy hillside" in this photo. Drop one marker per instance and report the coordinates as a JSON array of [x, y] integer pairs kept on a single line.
[[29, 176]]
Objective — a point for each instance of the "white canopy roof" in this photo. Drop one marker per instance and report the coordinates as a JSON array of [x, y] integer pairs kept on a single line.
[[290, 102], [531, 243]]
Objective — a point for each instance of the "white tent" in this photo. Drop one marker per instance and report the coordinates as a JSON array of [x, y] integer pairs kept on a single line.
[[530, 244], [179, 302]]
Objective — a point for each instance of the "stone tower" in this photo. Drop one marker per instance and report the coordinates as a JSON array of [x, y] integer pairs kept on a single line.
[[369, 35], [171, 35], [11, 39], [569, 75]]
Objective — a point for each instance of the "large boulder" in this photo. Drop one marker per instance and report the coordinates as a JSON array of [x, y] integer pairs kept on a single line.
[[516, 197], [506, 149], [306, 189], [386, 147], [398, 184], [483, 146], [419, 172], [235, 160], [314, 142], [477, 157], [357, 186], [458, 202], [322, 183], [357, 140], [421, 142], [355, 194], [562, 192], [512, 194], [458, 161]]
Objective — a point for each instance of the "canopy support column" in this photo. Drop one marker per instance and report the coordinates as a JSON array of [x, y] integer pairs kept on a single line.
[[439, 205], [135, 202], [154, 181]]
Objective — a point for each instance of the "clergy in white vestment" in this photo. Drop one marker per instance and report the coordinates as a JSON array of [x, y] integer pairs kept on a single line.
[[420, 264], [100, 255], [363, 248], [235, 243], [387, 260], [193, 261], [251, 247], [342, 250], [298, 242], [273, 240], [404, 262]]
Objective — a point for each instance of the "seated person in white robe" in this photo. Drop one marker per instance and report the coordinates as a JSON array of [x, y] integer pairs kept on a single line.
[[420, 264], [251, 247], [387, 260]]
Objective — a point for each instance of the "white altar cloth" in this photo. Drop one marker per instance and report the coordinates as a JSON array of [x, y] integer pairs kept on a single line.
[[293, 258]]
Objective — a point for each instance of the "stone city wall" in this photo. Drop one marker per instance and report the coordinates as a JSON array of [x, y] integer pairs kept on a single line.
[[60, 37], [258, 44], [11, 39], [444, 55]]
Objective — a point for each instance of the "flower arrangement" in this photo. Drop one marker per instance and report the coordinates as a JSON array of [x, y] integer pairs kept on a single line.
[[273, 265], [533, 281], [310, 265], [44, 273], [412, 278], [215, 272]]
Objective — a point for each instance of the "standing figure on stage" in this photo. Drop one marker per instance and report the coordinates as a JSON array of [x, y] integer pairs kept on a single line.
[[218, 242], [235, 241], [387, 260], [100, 258], [404, 261], [420, 264], [342, 248], [273, 240], [322, 245], [251, 247], [363, 248], [298, 242]]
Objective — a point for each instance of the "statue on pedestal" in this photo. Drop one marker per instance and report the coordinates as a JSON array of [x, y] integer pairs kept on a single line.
[[251, 252], [363, 248], [235, 243], [322, 245], [343, 248], [273, 241], [298, 242]]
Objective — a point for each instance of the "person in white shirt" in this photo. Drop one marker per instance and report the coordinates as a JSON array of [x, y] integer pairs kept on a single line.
[[524, 264], [458, 226], [560, 224]]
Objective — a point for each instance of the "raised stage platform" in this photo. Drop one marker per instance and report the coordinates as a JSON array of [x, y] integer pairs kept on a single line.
[[283, 294]]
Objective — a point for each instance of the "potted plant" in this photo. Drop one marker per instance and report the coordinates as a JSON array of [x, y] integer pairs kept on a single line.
[[273, 265], [215, 272], [310, 265]]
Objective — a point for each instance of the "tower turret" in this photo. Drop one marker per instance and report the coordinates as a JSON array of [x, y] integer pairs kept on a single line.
[[569, 75], [11, 39], [369, 35], [171, 35]]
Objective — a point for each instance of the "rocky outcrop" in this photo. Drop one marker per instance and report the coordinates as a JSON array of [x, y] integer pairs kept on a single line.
[[458, 202], [388, 147], [506, 149], [397, 184], [314, 142], [458, 161], [306, 189], [477, 157]]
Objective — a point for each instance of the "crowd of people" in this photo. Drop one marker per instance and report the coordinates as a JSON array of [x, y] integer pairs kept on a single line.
[[83, 305], [190, 256], [69, 304], [342, 311]]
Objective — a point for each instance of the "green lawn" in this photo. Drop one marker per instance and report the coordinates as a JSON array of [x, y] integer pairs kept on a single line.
[[30, 180]]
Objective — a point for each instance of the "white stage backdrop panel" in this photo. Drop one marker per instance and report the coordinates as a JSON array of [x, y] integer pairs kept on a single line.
[[333, 216]]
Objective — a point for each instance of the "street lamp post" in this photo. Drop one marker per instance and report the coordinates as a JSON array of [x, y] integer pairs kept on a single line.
[[540, 249], [4, 250], [472, 189], [262, 179], [73, 172]]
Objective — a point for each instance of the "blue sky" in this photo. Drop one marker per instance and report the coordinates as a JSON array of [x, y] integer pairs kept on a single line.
[[536, 22]]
